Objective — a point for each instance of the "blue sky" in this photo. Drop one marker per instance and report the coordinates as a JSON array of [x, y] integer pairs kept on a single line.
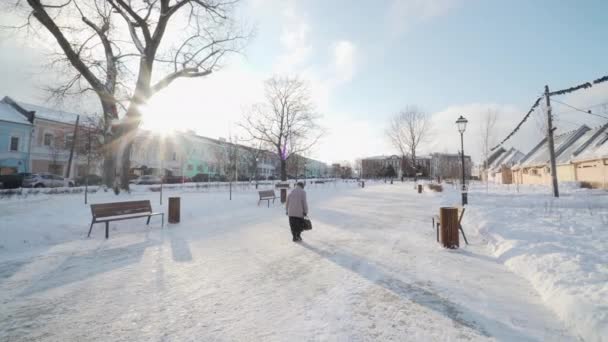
[[366, 60]]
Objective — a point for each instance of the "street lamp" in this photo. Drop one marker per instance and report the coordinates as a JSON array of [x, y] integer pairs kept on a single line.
[[462, 126]]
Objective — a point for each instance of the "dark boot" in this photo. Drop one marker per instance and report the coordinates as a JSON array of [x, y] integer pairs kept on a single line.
[[294, 234]]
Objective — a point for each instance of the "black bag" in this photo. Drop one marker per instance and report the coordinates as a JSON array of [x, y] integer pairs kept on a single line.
[[307, 224]]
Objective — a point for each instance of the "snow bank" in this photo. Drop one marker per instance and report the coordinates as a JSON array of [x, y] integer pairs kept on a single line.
[[559, 245]]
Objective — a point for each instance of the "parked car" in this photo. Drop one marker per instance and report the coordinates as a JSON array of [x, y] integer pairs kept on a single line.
[[93, 180], [46, 180], [12, 181], [200, 177], [176, 179], [147, 180]]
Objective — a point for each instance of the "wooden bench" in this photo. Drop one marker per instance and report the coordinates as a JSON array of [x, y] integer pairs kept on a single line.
[[118, 211], [437, 223], [267, 195]]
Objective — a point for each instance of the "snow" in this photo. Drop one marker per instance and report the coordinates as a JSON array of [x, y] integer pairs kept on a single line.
[[10, 114], [559, 245], [370, 270]]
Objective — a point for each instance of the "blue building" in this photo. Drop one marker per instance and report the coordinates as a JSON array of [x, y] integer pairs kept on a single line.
[[15, 139]]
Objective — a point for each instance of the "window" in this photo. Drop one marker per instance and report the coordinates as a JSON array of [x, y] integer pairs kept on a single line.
[[190, 167], [48, 139], [14, 146], [199, 168], [69, 140]]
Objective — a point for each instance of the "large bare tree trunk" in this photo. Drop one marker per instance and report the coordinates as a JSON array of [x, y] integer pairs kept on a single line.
[[109, 145], [283, 170]]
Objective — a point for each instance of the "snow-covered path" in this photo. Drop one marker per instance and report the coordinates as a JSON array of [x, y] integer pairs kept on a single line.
[[369, 271]]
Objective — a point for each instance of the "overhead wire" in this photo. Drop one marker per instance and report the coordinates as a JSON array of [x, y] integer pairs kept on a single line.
[[553, 93], [580, 110]]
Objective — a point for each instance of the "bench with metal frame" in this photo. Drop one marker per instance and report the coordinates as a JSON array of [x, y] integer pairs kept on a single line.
[[437, 222], [267, 195], [118, 211]]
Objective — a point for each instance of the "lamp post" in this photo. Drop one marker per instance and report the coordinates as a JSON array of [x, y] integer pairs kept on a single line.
[[462, 126]]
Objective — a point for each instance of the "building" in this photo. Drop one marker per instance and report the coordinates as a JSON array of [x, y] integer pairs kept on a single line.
[[497, 168], [580, 155], [15, 139], [372, 167], [590, 161], [449, 166], [190, 155], [535, 167], [489, 163], [52, 139]]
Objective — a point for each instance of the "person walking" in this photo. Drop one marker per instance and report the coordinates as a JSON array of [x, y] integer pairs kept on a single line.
[[297, 209]]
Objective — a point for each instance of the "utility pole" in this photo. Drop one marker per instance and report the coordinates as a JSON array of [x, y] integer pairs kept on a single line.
[[67, 172], [86, 180], [551, 144]]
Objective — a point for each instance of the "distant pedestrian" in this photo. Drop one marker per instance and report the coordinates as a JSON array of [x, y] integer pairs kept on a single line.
[[297, 209]]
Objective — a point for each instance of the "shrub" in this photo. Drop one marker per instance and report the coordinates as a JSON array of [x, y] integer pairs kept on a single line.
[[436, 187]]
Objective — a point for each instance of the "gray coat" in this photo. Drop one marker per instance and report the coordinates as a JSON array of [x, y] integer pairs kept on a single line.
[[296, 205]]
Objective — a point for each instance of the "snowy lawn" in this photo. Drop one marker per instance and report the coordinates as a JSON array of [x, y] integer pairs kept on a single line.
[[369, 271], [559, 245]]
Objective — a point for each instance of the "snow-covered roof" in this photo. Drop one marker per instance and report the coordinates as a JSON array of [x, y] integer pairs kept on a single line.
[[540, 154], [10, 114], [509, 158], [49, 113], [495, 157], [595, 147], [565, 157]]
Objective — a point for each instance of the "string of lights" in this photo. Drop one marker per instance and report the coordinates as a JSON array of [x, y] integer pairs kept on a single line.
[[553, 93], [536, 103]]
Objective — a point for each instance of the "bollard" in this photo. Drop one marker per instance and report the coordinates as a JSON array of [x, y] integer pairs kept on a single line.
[[449, 227], [283, 195], [174, 209], [419, 188]]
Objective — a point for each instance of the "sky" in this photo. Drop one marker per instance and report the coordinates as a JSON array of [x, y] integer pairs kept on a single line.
[[365, 61]]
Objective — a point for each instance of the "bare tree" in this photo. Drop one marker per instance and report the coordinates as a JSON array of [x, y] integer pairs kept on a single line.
[[120, 51], [407, 130], [488, 137], [251, 156], [287, 122]]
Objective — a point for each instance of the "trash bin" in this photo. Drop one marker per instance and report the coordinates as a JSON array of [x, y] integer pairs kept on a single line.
[[419, 188], [449, 227], [174, 209]]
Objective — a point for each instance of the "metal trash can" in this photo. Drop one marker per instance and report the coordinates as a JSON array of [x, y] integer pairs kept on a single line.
[[174, 209]]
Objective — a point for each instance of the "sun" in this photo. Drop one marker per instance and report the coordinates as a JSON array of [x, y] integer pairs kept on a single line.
[[162, 115]]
